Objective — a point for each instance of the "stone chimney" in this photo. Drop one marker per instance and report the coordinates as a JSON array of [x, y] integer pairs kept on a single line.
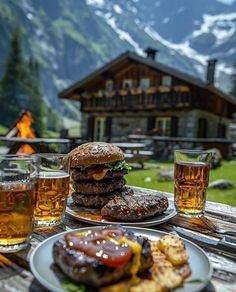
[[210, 76], [151, 53]]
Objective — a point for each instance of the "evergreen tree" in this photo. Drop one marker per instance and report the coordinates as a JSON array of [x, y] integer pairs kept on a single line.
[[13, 89], [36, 106], [20, 87]]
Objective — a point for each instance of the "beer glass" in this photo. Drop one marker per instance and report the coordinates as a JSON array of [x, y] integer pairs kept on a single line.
[[18, 177], [191, 176], [51, 191]]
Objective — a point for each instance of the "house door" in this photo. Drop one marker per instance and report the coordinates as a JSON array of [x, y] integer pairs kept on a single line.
[[163, 126], [100, 128]]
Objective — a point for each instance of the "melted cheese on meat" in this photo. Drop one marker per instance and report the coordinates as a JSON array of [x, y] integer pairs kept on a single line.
[[100, 174], [136, 248]]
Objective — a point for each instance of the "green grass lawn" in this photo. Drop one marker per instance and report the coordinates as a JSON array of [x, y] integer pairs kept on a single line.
[[226, 171], [3, 130]]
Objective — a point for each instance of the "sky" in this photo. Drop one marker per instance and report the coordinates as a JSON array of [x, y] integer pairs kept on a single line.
[[226, 1]]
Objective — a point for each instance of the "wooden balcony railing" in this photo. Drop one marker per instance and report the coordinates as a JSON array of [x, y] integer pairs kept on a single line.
[[144, 100]]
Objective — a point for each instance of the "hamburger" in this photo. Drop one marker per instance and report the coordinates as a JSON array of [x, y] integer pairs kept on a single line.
[[97, 170]]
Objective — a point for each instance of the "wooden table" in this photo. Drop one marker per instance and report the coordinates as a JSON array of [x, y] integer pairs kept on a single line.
[[133, 148], [134, 152], [19, 278]]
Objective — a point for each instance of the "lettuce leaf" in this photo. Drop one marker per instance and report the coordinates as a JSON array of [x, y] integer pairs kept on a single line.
[[70, 286], [117, 165]]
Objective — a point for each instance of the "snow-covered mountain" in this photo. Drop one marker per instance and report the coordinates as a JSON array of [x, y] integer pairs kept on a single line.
[[71, 38], [198, 30]]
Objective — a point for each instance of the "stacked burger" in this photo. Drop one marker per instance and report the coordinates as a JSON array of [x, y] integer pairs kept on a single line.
[[97, 170]]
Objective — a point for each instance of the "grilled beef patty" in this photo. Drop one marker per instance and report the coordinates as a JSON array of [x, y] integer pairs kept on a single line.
[[91, 271], [78, 175], [98, 187], [135, 208], [97, 201]]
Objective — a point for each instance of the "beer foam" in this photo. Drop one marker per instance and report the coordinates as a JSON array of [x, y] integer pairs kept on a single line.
[[53, 174]]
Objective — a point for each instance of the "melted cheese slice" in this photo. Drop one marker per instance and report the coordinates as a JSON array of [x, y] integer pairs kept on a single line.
[[100, 175], [136, 248]]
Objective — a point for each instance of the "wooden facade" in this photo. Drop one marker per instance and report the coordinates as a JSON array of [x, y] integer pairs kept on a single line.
[[133, 93]]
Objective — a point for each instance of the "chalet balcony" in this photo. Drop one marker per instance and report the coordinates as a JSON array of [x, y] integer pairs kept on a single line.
[[134, 101]]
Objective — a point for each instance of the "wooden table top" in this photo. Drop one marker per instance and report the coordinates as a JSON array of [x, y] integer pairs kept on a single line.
[[15, 274]]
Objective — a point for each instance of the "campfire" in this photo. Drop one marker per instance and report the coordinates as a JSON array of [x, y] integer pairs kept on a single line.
[[22, 129]]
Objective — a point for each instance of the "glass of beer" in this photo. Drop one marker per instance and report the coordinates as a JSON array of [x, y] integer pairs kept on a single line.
[[191, 176], [51, 191], [18, 177]]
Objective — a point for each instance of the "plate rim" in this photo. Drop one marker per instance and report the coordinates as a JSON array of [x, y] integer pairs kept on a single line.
[[47, 284], [141, 223]]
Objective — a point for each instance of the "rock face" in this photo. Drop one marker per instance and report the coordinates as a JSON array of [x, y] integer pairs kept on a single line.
[[216, 157], [220, 184], [165, 175]]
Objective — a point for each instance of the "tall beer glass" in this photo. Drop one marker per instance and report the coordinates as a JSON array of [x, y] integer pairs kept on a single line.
[[51, 191], [191, 176], [18, 176]]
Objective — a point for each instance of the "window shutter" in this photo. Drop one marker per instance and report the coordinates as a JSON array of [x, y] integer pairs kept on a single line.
[[90, 128], [174, 126], [202, 128], [108, 129], [151, 123]]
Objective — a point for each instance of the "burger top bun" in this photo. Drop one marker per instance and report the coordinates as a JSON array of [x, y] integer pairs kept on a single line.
[[94, 153]]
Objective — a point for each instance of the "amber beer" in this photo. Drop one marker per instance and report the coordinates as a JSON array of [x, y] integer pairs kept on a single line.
[[51, 195], [190, 182], [18, 176], [16, 212]]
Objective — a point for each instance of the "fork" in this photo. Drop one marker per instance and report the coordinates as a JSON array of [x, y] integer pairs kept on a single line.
[[217, 229]]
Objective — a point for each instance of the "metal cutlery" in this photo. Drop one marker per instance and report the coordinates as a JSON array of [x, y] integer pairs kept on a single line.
[[217, 229], [226, 243]]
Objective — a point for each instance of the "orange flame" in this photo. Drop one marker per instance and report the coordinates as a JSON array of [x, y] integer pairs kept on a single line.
[[25, 131]]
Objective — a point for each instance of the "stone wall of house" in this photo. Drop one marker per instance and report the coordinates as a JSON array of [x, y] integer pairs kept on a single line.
[[123, 126], [188, 123]]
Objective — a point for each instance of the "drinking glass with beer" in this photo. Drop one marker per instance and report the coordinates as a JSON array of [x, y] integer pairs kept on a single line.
[[191, 176], [18, 177], [51, 191]]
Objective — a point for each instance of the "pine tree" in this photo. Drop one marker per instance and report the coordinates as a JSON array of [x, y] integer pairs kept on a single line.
[[13, 91], [36, 106], [20, 87]]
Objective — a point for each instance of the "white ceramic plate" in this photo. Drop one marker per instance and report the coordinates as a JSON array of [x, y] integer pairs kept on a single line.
[[41, 261], [93, 215]]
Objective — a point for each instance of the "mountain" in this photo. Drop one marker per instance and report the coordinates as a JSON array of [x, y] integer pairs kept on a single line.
[[72, 38]]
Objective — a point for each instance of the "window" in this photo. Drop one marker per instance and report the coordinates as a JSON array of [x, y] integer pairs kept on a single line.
[[145, 83], [127, 83], [166, 81], [99, 134], [109, 85], [163, 126]]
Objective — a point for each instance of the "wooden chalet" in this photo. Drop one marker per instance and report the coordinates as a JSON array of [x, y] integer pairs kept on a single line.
[[134, 94]]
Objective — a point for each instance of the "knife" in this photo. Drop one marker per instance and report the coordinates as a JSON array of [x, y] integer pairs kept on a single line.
[[226, 243]]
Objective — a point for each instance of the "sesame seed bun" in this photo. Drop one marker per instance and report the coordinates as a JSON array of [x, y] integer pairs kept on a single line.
[[94, 153]]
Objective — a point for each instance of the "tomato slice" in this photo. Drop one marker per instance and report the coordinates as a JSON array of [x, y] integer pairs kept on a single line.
[[99, 244]]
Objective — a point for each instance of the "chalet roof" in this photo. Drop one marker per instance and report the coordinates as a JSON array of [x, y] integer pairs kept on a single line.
[[128, 55]]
